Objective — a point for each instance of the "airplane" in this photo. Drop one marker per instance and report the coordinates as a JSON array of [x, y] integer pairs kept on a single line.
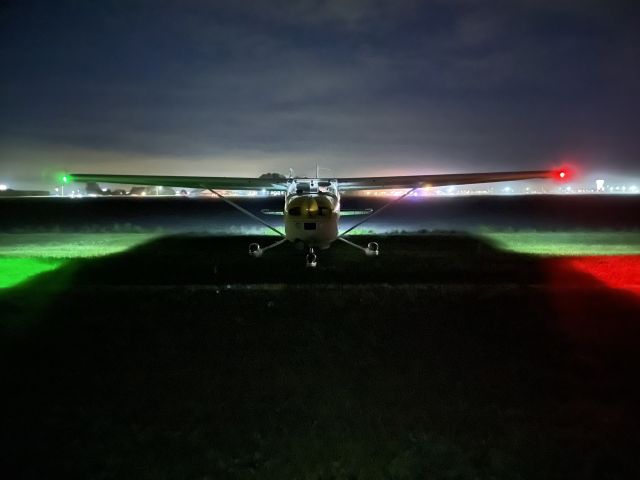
[[311, 208]]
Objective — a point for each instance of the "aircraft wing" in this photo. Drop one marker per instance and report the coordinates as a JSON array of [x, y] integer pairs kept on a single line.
[[423, 181], [221, 183]]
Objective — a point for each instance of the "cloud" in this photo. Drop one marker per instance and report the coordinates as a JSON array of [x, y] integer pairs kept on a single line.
[[454, 84]]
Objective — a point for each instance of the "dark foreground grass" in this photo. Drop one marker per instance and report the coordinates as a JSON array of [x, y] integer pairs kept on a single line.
[[443, 358]]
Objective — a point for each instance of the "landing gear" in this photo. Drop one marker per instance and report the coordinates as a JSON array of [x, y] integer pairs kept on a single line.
[[255, 250], [312, 259], [371, 250]]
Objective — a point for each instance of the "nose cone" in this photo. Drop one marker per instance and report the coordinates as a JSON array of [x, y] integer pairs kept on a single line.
[[310, 207]]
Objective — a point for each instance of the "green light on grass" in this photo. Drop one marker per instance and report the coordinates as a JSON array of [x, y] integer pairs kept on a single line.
[[17, 270], [65, 179], [23, 256]]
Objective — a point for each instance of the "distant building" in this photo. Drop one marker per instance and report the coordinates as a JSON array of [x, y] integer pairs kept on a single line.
[[138, 191], [152, 191], [92, 188], [24, 193]]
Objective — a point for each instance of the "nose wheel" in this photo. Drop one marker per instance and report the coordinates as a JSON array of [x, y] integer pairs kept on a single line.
[[312, 259]]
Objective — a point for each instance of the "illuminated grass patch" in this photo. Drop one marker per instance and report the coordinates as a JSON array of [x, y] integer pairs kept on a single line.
[[567, 243], [23, 256], [16, 270], [69, 245]]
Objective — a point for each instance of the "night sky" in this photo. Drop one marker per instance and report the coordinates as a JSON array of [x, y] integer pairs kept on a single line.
[[363, 86]]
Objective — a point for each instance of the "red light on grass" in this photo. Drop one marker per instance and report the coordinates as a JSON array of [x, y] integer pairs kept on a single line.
[[562, 174], [613, 271]]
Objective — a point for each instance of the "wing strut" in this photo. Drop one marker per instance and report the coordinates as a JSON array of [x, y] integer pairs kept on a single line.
[[245, 211], [370, 216]]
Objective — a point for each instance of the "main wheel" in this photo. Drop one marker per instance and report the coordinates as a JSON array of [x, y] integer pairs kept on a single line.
[[255, 250], [373, 249]]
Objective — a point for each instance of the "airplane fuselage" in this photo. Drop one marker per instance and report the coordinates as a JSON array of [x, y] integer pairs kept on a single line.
[[311, 215]]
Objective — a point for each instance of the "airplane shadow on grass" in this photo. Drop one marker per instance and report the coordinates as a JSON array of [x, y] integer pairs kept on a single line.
[[445, 356]]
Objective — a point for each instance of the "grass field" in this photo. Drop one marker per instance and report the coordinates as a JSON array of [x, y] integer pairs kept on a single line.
[[567, 243], [181, 357], [24, 255], [68, 245]]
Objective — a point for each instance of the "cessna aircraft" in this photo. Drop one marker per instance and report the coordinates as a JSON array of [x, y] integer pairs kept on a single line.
[[312, 205]]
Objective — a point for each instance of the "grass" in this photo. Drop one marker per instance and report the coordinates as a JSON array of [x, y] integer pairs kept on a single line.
[[567, 243], [15, 270], [23, 256], [86, 245], [420, 363], [68, 245]]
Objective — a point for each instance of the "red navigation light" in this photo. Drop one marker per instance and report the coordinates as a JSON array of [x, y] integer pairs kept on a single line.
[[562, 174]]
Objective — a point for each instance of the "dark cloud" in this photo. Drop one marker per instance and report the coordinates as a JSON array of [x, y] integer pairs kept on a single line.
[[199, 86]]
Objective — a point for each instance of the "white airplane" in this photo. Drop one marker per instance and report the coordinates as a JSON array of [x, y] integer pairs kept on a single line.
[[312, 205]]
